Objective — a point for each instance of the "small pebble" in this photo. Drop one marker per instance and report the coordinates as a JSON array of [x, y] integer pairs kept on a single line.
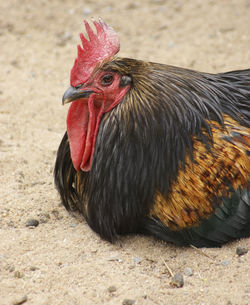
[[33, 268], [15, 63], [20, 300], [67, 36], [112, 289], [18, 274], [56, 214], [32, 223], [225, 263], [177, 280], [128, 302], [32, 74], [44, 217], [115, 257], [188, 271], [241, 251], [137, 260], [10, 268], [86, 11]]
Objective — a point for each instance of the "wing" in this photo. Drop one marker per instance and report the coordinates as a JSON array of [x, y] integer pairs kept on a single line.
[[209, 203]]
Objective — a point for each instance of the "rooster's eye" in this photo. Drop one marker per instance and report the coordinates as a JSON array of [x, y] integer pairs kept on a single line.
[[107, 79]]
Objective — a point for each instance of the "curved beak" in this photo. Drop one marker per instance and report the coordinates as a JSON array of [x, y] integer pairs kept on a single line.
[[72, 94]]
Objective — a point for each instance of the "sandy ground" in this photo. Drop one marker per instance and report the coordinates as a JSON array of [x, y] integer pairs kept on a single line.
[[62, 261]]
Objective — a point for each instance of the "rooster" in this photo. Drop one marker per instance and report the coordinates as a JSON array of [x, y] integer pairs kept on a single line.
[[155, 149]]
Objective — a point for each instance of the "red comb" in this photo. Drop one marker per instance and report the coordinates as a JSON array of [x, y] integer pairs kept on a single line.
[[102, 45]]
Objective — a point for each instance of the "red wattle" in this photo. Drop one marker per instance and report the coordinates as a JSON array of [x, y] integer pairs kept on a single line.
[[82, 127]]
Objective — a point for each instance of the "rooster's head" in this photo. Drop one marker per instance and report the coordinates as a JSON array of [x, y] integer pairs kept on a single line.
[[93, 91]]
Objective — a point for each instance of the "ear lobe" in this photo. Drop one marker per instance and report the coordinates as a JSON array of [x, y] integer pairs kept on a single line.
[[125, 81]]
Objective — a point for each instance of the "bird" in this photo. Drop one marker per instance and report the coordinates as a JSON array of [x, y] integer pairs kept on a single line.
[[154, 149]]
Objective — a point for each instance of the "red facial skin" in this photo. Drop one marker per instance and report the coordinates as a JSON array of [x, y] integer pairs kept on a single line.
[[84, 117]]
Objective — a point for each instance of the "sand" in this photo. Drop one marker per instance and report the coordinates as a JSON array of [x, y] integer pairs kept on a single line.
[[61, 261]]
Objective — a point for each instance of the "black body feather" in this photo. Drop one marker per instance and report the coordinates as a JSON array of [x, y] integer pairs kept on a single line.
[[143, 142]]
